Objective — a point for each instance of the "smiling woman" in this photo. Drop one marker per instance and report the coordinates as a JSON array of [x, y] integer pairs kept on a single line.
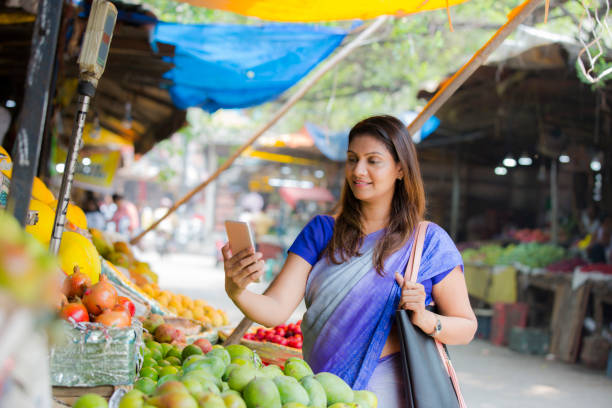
[[346, 268]]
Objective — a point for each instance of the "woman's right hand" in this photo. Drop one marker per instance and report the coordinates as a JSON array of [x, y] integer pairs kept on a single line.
[[241, 269]]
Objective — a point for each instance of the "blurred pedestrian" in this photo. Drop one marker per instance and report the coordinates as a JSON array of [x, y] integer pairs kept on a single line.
[[126, 216], [95, 218]]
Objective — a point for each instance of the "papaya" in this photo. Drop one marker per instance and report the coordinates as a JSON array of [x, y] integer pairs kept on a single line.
[[42, 193], [335, 388], [76, 250], [290, 390], [43, 227], [316, 392], [261, 392]]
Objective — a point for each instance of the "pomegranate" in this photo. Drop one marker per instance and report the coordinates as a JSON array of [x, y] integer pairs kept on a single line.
[[118, 317], [100, 296], [76, 284], [127, 304], [75, 312]]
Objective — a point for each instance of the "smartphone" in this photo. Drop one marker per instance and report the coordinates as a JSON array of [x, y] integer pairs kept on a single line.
[[239, 235]]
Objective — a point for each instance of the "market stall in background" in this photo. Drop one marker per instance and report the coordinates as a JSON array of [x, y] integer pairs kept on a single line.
[[527, 145]]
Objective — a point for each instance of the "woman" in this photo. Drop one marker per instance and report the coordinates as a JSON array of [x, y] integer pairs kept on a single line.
[[350, 269]]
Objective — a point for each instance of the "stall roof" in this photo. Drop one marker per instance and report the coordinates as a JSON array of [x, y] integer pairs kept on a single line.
[[532, 102], [323, 10], [134, 75]]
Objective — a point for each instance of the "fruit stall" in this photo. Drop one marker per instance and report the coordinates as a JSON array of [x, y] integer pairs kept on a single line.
[[120, 340], [540, 298]]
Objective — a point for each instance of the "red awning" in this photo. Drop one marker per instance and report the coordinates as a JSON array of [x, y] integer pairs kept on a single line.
[[294, 194]]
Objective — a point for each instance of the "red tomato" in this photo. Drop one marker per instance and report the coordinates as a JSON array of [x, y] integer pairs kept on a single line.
[[280, 331], [283, 342], [127, 304], [74, 311]]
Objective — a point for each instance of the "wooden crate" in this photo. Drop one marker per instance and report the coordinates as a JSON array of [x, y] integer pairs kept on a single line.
[[270, 353], [67, 396]]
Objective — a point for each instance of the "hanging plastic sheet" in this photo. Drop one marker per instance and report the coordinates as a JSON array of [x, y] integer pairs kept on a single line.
[[323, 10], [334, 145], [236, 66]]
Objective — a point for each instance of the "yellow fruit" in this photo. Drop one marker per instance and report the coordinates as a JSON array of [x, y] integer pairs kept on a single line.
[[6, 164], [172, 310], [42, 193], [75, 249], [44, 226], [216, 319], [148, 289], [188, 303], [163, 300], [74, 215], [208, 310], [223, 316], [175, 304], [199, 303], [198, 313], [187, 314]]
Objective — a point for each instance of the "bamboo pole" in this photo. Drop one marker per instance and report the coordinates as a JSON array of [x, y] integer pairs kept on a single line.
[[516, 17], [328, 65]]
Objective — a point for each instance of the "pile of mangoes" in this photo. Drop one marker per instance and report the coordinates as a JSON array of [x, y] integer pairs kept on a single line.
[[184, 306], [234, 377]]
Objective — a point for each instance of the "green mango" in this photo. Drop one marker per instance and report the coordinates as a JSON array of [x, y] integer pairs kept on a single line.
[[294, 405], [146, 385], [270, 371], [228, 371], [193, 385], [239, 351], [132, 399], [240, 377], [222, 354], [335, 388], [365, 399], [233, 399], [210, 400], [261, 392], [290, 390], [316, 392], [92, 401], [297, 368], [203, 375]]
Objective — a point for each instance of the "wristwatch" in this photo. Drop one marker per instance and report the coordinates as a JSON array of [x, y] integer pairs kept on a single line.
[[437, 328]]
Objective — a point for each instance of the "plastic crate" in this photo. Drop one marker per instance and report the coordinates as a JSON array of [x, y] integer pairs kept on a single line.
[[529, 340], [483, 317], [505, 317]]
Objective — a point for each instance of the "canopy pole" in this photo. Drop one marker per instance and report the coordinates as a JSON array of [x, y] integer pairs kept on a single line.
[[328, 65], [516, 17]]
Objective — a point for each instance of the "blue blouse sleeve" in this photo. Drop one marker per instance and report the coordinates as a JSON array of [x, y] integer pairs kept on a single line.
[[440, 255], [313, 239]]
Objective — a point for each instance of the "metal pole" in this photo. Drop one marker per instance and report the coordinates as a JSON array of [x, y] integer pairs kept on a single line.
[[554, 203], [86, 91], [455, 198], [31, 121]]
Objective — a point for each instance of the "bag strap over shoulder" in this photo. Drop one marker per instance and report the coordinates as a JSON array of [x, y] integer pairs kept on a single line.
[[412, 269]]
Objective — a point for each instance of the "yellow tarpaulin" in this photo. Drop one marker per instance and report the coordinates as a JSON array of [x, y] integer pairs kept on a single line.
[[99, 174], [103, 137], [323, 10]]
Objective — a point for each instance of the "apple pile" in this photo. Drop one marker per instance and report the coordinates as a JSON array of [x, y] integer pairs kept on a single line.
[[289, 335], [84, 302]]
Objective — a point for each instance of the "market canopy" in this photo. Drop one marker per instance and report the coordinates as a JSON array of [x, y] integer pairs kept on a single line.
[[323, 10], [235, 66]]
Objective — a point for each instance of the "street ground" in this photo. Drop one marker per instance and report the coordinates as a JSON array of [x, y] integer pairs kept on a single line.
[[490, 376]]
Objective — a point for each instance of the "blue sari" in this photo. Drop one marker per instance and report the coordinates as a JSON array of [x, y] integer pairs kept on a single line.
[[350, 307]]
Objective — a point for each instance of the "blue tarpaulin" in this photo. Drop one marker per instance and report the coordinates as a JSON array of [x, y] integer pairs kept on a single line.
[[235, 66], [334, 145]]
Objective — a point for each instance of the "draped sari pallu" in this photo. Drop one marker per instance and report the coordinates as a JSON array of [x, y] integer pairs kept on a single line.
[[350, 307]]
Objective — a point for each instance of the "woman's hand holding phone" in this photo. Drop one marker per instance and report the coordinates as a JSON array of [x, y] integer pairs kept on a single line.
[[242, 268]]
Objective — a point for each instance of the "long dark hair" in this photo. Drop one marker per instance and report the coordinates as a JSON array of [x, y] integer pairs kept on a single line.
[[407, 205]]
